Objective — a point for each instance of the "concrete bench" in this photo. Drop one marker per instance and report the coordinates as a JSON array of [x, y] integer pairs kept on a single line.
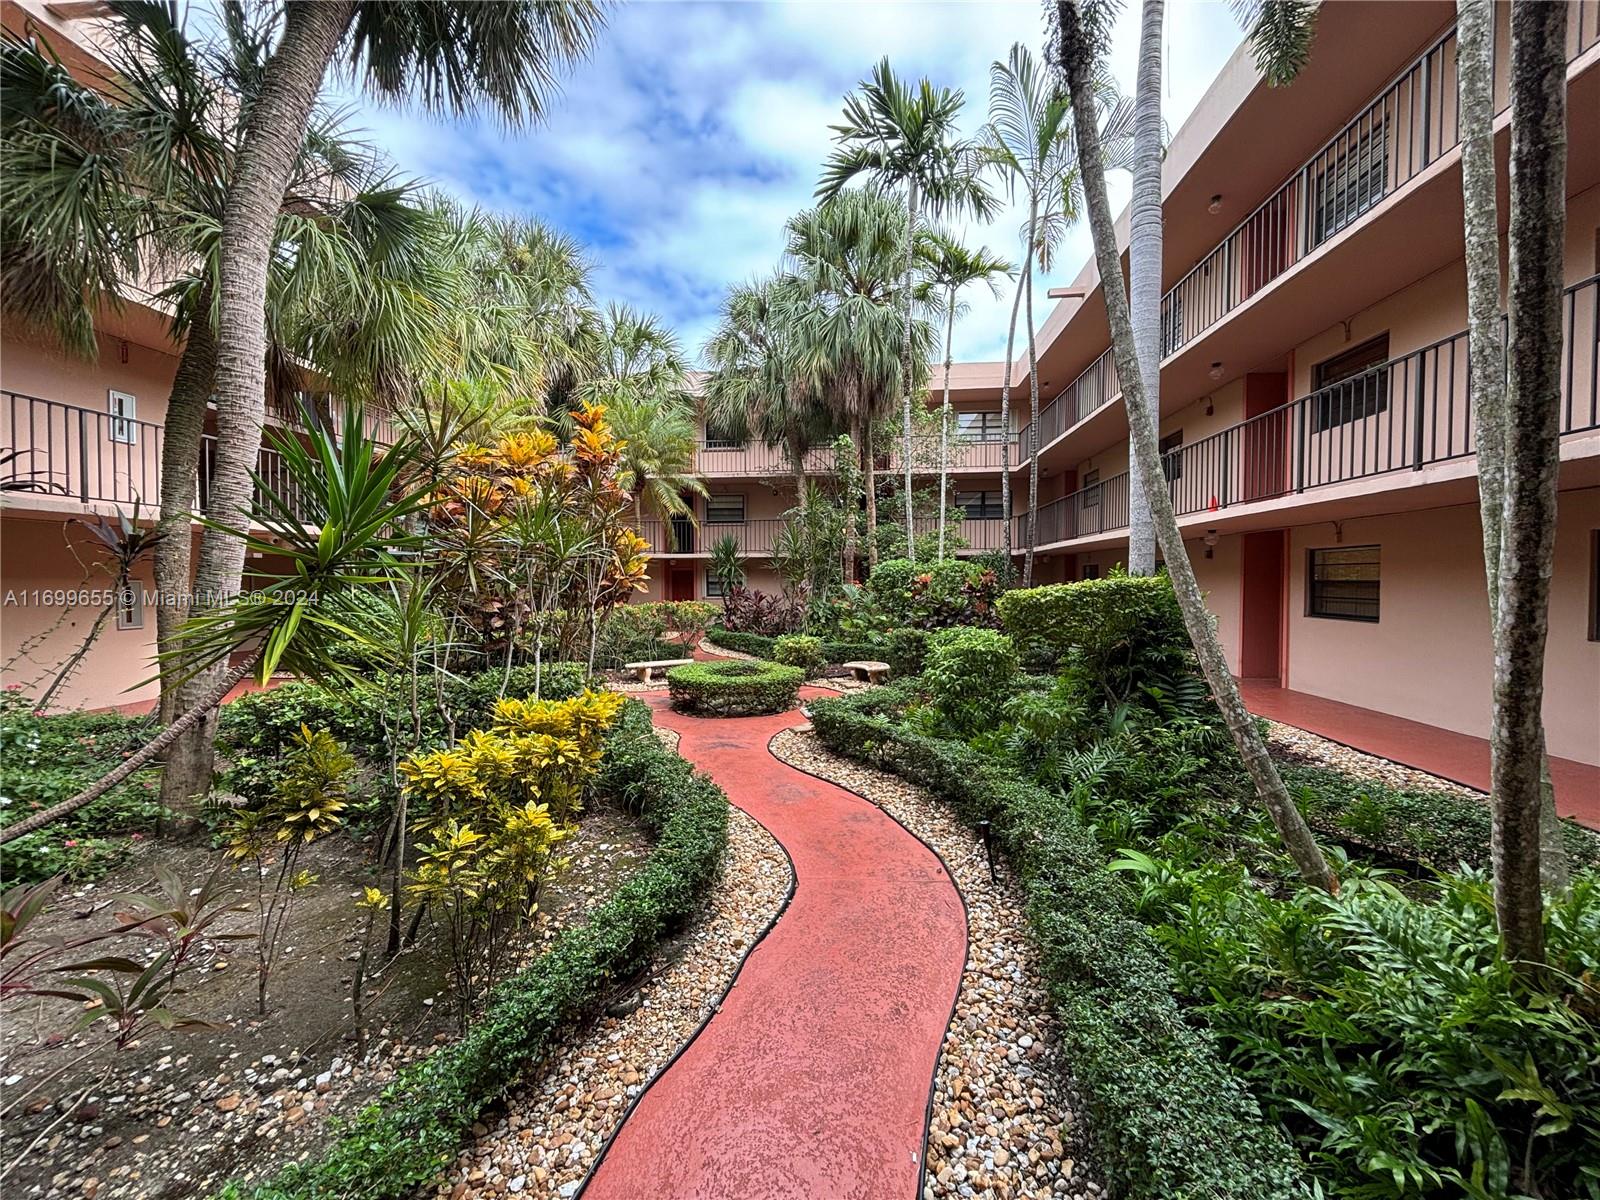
[[871, 672], [645, 670]]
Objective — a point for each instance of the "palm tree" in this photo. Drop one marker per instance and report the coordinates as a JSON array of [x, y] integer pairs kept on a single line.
[[338, 521], [756, 386], [1144, 269], [1029, 140], [951, 266], [657, 467], [1080, 32], [900, 136], [1280, 33], [845, 306], [450, 57]]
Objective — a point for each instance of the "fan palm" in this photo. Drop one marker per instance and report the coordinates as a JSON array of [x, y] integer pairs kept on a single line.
[[1029, 140], [756, 386], [845, 305], [657, 466], [338, 519], [951, 267], [897, 135]]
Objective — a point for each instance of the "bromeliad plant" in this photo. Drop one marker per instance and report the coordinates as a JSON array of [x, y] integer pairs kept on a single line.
[[497, 805]]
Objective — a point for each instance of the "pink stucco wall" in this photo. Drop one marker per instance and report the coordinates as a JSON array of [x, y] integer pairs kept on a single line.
[[1427, 657], [37, 634]]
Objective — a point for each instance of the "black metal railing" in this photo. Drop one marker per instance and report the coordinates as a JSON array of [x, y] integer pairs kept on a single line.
[[48, 448], [1411, 124], [1405, 414]]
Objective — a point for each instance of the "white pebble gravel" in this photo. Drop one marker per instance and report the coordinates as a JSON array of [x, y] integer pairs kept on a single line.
[[547, 1137], [1003, 1124], [1299, 745]]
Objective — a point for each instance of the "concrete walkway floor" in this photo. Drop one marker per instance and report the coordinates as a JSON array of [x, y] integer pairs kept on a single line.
[[1455, 756], [813, 1080]]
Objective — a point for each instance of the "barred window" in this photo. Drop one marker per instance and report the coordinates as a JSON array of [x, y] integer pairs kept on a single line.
[[1350, 386], [724, 510], [1342, 583]]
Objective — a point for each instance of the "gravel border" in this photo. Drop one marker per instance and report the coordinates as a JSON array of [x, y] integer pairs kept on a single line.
[[1002, 1122], [1301, 745], [545, 1141]]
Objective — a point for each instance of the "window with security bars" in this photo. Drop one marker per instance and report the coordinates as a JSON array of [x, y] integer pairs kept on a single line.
[[1171, 463], [979, 427], [1342, 583], [980, 506], [724, 510], [1350, 182], [1351, 385]]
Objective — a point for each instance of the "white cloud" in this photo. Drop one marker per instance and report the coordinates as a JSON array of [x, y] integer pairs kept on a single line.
[[678, 151]]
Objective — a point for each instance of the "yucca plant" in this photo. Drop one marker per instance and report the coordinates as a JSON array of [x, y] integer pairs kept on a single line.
[[336, 512]]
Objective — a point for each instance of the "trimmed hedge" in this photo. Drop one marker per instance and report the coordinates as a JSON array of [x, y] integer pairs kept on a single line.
[[1170, 1119], [406, 1139], [734, 689], [1436, 829], [902, 650], [1108, 622]]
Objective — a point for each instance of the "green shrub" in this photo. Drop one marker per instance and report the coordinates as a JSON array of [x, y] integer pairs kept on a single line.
[[1118, 629], [405, 1139], [735, 688], [798, 650], [659, 629], [1169, 1119], [926, 595], [47, 759], [758, 644], [904, 650], [1442, 830], [969, 673]]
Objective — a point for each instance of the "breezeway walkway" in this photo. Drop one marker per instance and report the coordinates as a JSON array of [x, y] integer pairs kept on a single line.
[[1455, 756]]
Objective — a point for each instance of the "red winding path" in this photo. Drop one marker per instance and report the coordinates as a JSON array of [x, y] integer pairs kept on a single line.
[[812, 1082]]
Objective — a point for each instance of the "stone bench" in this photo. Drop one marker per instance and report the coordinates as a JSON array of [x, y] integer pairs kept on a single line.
[[646, 670], [871, 672]]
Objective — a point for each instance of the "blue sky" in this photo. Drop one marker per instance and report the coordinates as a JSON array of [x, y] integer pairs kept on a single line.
[[678, 150]]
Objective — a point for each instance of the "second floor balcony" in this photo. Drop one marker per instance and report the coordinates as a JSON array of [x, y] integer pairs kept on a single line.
[[1404, 415], [752, 460], [761, 538]]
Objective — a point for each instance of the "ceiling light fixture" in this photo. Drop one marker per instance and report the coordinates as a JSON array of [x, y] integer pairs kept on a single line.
[[1216, 370], [1216, 204]]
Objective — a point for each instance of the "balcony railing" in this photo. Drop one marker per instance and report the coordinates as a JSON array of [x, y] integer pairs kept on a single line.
[[1405, 414], [758, 538], [52, 449], [1411, 124], [722, 460]]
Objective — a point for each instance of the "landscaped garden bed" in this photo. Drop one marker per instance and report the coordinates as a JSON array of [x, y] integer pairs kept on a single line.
[[1234, 1032]]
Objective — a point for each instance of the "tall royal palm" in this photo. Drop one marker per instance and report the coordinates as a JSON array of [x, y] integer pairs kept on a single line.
[[951, 267], [756, 385], [1029, 140], [900, 136], [846, 261]]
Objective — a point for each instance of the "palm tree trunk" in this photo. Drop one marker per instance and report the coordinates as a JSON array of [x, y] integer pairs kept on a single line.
[[1005, 408], [266, 156], [869, 477], [180, 461], [851, 512], [145, 755], [1144, 271], [907, 372], [1033, 406], [1532, 454], [1077, 57], [944, 421], [1486, 346]]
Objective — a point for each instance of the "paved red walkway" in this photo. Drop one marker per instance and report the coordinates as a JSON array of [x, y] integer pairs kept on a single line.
[[1456, 756], [812, 1082]]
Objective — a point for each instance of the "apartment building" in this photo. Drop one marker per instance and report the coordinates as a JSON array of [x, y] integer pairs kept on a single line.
[[1315, 421]]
